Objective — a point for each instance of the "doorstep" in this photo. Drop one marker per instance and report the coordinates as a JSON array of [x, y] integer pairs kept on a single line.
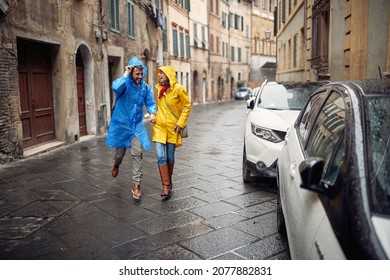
[[42, 148]]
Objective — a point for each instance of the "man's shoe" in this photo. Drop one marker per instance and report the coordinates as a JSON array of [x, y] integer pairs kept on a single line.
[[136, 191], [114, 171]]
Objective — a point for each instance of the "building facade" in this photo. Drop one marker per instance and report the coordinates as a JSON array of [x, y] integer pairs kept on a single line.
[[58, 60], [199, 44], [263, 42], [332, 40], [179, 48]]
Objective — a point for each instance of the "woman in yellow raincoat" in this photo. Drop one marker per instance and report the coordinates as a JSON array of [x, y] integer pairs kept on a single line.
[[174, 107]]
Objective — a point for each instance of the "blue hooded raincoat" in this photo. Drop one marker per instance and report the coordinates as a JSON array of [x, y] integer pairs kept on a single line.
[[127, 120]]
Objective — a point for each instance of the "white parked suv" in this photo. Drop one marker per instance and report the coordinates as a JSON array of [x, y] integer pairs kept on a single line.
[[274, 108]]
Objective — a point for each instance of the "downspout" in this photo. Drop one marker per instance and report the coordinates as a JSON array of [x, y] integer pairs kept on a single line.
[[102, 113], [229, 56]]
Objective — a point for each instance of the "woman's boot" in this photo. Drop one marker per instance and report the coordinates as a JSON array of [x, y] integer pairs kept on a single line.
[[170, 167], [165, 180]]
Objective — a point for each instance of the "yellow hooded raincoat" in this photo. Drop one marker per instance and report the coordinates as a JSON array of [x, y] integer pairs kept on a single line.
[[178, 100]]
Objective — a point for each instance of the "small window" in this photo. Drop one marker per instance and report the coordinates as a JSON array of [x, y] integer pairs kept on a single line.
[[175, 43], [130, 19], [114, 15], [181, 44], [188, 47]]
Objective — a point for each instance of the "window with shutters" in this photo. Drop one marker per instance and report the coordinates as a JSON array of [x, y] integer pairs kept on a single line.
[[114, 16]]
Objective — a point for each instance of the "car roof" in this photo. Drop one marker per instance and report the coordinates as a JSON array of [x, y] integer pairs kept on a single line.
[[367, 87], [294, 83]]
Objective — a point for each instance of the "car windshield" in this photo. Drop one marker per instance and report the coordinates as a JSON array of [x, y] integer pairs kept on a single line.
[[378, 150], [284, 97]]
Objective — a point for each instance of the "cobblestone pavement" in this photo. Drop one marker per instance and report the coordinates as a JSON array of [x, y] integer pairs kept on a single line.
[[64, 204]]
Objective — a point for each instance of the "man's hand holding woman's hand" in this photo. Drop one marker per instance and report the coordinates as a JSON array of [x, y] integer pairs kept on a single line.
[[152, 118]]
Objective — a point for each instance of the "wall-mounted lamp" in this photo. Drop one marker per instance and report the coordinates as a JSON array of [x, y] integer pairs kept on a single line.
[[267, 34]]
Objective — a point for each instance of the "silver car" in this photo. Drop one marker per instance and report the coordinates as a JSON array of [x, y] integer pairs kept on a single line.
[[333, 174]]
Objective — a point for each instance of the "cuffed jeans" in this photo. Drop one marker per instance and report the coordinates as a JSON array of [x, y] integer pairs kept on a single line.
[[165, 153], [136, 153]]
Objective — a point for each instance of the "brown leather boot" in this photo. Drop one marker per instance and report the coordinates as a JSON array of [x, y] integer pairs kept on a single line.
[[114, 171], [170, 167], [136, 191], [165, 180]]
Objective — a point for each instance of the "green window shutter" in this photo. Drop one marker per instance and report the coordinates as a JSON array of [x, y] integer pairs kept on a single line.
[[175, 43], [181, 44], [188, 47]]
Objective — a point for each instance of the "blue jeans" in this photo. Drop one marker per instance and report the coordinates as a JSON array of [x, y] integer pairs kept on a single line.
[[165, 153]]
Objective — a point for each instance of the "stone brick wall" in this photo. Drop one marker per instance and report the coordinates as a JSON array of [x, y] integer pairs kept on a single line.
[[10, 138]]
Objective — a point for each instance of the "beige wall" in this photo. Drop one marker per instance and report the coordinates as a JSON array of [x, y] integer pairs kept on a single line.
[[358, 40]]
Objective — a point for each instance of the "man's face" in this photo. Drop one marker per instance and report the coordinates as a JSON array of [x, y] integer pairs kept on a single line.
[[137, 75]]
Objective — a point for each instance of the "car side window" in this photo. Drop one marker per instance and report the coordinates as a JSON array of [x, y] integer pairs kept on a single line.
[[309, 115], [327, 132]]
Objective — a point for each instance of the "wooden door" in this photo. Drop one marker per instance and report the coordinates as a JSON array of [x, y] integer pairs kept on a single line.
[[81, 101], [36, 96]]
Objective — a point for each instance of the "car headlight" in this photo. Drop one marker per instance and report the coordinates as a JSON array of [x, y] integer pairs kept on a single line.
[[265, 133]]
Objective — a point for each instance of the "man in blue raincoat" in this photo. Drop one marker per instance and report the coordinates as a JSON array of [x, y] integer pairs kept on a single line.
[[127, 129]]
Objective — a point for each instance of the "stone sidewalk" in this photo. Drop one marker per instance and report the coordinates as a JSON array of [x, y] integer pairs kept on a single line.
[[64, 204]]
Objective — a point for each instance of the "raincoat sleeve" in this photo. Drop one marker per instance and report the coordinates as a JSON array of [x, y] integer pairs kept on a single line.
[[119, 86], [182, 122]]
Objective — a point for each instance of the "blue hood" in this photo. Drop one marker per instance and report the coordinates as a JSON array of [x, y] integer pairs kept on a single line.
[[134, 61]]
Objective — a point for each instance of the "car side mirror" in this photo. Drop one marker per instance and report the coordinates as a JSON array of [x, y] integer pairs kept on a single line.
[[250, 104], [311, 173]]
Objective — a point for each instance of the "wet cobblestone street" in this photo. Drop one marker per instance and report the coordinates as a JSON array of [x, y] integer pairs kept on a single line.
[[64, 204]]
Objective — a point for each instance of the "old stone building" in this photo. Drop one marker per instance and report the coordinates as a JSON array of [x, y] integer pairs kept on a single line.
[[333, 40], [263, 54], [201, 48], [58, 59]]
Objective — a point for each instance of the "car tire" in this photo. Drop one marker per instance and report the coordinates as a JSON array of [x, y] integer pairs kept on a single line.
[[246, 174], [280, 221]]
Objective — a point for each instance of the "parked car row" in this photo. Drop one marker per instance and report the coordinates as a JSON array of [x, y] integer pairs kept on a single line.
[[243, 93], [332, 167], [274, 108]]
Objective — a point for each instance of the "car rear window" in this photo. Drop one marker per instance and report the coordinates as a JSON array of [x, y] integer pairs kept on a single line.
[[285, 97]]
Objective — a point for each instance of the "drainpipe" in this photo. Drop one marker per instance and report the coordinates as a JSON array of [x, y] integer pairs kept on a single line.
[[102, 113], [229, 56]]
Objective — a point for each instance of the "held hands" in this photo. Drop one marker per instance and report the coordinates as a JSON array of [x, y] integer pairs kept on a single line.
[[152, 118], [127, 71]]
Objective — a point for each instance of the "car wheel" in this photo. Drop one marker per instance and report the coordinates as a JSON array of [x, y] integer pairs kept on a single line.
[[246, 174], [280, 222]]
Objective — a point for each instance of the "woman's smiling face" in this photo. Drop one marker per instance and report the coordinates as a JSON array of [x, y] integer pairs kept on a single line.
[[162, 78]]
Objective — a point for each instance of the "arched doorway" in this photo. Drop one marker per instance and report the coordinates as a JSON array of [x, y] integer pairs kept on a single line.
[[36, 95], [232, 88], [85, 91], [220, 89], [195, 88]]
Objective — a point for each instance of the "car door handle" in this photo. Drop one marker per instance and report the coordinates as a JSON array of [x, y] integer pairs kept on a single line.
[[292, 169]]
